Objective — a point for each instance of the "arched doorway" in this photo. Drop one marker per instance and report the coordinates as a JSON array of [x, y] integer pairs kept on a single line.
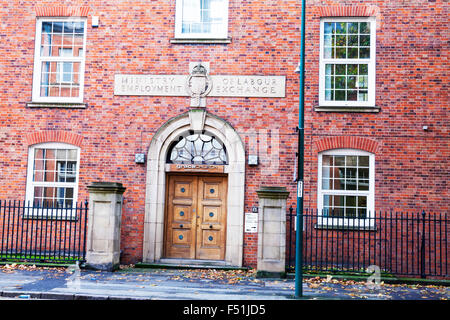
[[196, 211], [202, 155]]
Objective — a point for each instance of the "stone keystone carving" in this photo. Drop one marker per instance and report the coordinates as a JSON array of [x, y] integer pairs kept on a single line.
[[198, 85]]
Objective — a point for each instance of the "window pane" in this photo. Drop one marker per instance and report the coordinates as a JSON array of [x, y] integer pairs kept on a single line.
[[351, 82], [363, 95], [338, 201], [350, 184], [340, 82], [328, 53], [363, 185], [364, 27], [350, 201], [326, 172], [363, 161], [329, 27], [352, 69], [350, 213], [364, 41], [362, 202], [341, 53], [350, 173], [339, 184], [327, 41], [341, 69], [329, 83], [364, 53], [327, 160], [363, 173], [352, 27], [341, 27], [341, 41], [326, 201], [339, 160], [326, 184]]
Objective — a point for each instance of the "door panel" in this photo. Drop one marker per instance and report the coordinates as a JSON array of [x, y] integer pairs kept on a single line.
[[181, 217], [212, 219], [195, 217]]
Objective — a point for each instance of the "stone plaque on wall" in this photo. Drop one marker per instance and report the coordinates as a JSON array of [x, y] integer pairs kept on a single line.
[[222, 85]]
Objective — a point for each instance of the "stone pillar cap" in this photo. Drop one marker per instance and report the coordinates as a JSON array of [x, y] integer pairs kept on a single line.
[[107, 187], [272, 192]]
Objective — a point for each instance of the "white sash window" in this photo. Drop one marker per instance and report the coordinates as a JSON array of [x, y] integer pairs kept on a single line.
[[346, 186], [201, 19], [52, 176], [347, 62], [59, 60]]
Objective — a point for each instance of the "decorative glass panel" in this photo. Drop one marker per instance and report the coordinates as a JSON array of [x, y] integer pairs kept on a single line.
[[198, 149]]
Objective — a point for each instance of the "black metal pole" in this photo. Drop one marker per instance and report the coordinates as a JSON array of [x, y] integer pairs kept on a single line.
[[299, 233]]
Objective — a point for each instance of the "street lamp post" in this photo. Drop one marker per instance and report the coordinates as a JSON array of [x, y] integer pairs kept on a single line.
[[301, 156]]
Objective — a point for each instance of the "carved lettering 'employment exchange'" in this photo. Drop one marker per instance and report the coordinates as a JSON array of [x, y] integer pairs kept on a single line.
[[222, 85]]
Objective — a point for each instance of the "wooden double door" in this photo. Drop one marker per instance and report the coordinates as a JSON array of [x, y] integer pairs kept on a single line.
[[195, 218]]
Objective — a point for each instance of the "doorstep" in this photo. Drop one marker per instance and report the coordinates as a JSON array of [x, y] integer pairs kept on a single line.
[[169, 263]]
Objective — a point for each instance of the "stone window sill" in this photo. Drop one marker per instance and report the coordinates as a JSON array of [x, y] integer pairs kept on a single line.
[[70, 105], [346, 109], [200, 41]]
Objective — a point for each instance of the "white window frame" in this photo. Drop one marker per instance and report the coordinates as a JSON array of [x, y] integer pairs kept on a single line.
[[371, 65], [29, 195], [179, 24], [36, 92], [330, 222]]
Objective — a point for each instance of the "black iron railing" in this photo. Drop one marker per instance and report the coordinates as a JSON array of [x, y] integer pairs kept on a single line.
[[399, 243], [42, 234]]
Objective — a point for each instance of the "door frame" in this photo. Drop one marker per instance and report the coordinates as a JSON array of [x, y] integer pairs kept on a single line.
[[197, 175], [198, 121]]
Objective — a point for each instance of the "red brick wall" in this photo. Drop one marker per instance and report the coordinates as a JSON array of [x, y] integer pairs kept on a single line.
[[412, 91]]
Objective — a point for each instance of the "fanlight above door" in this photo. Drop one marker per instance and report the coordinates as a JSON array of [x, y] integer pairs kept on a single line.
[[197, 149]]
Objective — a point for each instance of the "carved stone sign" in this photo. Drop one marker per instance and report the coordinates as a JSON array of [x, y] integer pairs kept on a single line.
[[221, 85], [211, 168]]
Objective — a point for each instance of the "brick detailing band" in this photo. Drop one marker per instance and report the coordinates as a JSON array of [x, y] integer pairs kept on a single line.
[[353, 11], [55, 136], [346, 142], [62, 11]]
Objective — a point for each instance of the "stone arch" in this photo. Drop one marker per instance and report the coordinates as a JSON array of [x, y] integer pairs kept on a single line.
[[195, 120]]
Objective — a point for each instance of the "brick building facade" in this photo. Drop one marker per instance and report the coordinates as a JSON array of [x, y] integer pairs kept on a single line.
[[376, 109]]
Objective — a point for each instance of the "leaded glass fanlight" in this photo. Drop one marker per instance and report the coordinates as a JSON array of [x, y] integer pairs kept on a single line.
[[197, 149]]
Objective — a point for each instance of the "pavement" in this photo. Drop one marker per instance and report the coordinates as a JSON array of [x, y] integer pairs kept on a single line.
[[45, 283]]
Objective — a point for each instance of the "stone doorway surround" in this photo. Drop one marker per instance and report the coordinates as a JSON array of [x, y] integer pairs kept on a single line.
[[196, 120]]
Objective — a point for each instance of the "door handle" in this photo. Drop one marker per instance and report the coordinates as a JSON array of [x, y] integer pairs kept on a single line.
[[181, 226], [210, 226]]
